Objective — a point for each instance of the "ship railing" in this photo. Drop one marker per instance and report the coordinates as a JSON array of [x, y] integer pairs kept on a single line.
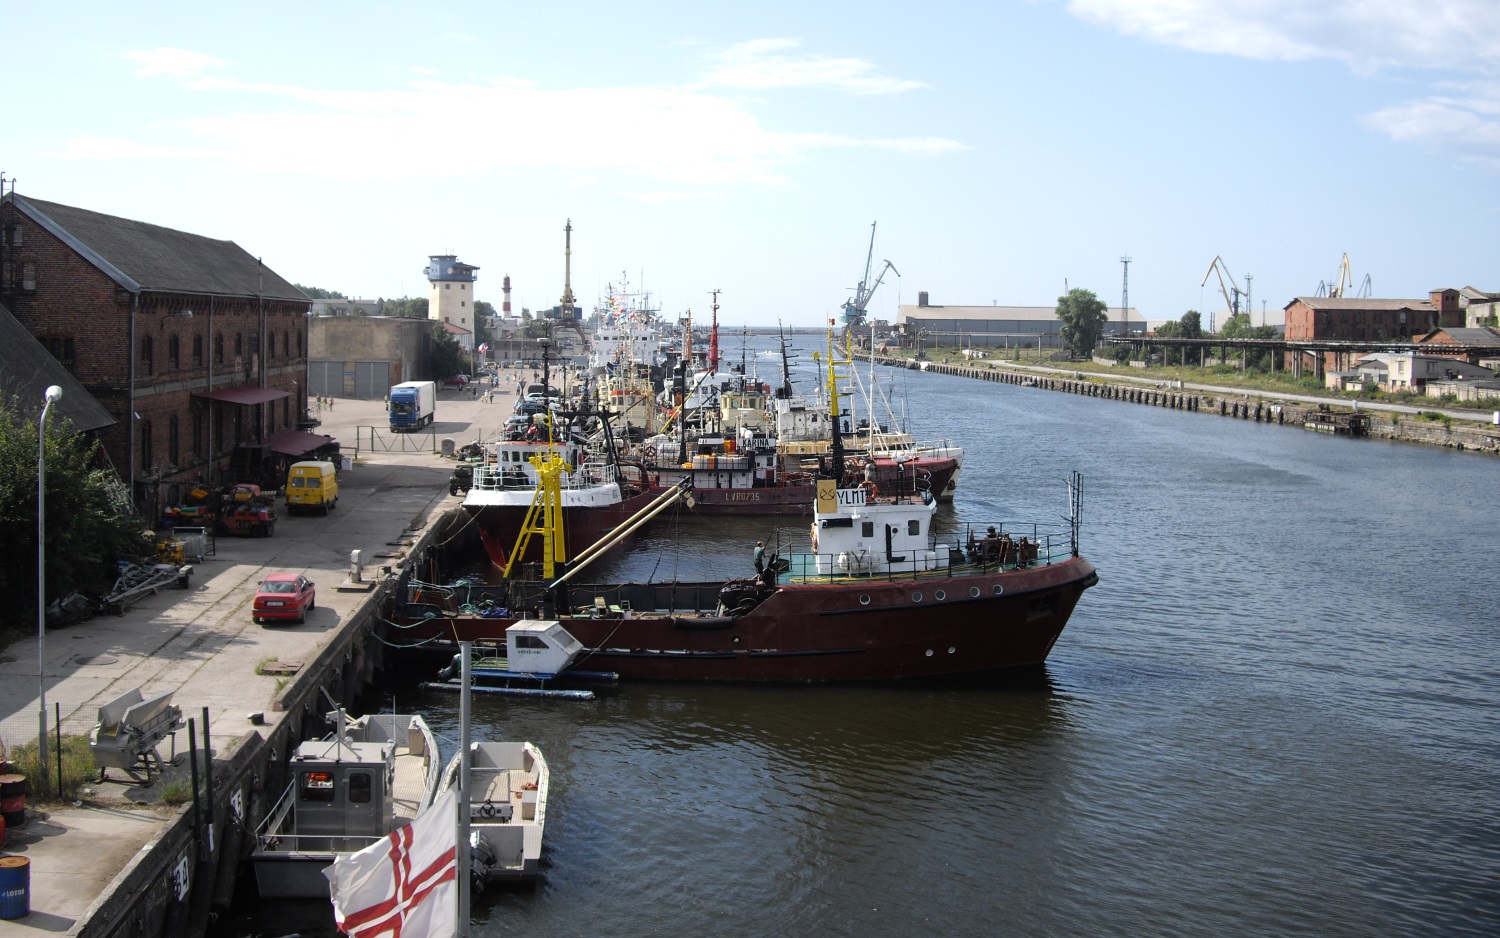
[[962, 551], [590, 473]]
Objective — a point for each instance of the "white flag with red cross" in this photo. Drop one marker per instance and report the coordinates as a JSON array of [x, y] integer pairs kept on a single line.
[[404, 884]]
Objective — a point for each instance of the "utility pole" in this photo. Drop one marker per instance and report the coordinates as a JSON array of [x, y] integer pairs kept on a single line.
[[1125, 299]]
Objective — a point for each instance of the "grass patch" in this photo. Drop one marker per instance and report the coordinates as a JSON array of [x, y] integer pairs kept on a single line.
[[78, 770], [260, 666], [176, 793]]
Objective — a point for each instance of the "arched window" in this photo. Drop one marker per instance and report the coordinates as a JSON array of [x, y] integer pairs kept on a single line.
[[148, 351], [197, 351], [173, 348]]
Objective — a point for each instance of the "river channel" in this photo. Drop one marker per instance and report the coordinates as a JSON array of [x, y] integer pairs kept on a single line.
[[1274, 715]]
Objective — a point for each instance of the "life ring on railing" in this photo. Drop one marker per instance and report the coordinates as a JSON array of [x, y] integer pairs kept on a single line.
[[488, 810], [650, 453], [871, 491]]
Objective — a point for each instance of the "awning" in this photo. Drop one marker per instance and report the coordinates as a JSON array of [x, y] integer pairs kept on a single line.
[[298, 442], [248, 394]]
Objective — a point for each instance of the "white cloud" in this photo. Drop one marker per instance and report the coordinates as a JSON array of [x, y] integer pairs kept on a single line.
[[168, 61], [1467, 123], [1364, 34], [763, 64], [684, 140], [1446, 36]]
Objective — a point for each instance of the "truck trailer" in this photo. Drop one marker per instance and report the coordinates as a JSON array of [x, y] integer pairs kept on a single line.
[[412, 404]]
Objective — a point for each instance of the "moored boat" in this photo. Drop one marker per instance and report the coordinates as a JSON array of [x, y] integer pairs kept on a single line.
[[596, 493], [347, 791], [871, 594], [507, 810]]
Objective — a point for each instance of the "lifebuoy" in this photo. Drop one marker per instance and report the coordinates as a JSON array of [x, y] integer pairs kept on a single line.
[[650, 453], [870, 489]]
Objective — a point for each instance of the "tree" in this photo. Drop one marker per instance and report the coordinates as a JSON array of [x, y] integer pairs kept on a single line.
[[88, 527], [318, 293], [447, 357], [1190, 326], [406, 307], [1083, 318]]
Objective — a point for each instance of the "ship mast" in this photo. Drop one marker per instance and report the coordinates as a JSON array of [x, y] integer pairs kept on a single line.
[[713, 338], [567, 296]]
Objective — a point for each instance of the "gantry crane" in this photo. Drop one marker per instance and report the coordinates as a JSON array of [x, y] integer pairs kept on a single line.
[[854, 307]]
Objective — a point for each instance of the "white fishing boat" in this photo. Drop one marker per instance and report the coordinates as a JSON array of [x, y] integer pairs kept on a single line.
[[507, 810], [347, 790]]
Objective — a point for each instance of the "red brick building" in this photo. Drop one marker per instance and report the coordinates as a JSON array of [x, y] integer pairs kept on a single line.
[[1311, 318], [190, 343]]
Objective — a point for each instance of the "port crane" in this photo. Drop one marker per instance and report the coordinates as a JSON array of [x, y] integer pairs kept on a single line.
[[1345, 281], [854, 307], [1231, 290]]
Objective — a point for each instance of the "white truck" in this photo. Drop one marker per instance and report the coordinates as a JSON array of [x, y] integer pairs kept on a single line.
[[412, 404]]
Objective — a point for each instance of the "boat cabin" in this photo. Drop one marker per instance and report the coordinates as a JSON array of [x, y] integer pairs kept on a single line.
[[342, 788], [855, 532], [536, 647]]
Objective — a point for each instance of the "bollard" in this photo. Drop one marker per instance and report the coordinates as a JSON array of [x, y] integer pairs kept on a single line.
[[354, 566]]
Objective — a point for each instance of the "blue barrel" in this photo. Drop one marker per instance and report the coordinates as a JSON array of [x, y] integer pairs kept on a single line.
[[15, 887]]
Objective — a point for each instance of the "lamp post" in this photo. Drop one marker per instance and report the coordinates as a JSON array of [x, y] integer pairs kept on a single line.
[[54, 394]]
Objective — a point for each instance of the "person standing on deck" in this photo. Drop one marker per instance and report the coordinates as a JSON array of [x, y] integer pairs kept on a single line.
[[760, 556]]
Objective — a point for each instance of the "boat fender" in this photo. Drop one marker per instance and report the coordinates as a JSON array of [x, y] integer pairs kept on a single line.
[[487, 810]]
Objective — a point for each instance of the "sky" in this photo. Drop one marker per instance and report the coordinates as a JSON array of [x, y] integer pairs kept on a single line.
[[1005, 151]]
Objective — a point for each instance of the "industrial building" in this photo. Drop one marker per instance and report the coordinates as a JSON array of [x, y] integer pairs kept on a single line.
[[925, 325]]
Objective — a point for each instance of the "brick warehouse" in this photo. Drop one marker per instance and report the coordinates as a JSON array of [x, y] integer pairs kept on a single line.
[[165, 329]]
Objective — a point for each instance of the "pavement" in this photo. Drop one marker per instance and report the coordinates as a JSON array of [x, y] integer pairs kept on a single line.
[[200, 644]]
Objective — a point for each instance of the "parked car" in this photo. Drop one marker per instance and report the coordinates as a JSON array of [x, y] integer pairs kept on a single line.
[[284, 596]]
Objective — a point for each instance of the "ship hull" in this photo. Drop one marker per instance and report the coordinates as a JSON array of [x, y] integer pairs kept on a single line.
[[500, 525], [866, 630]]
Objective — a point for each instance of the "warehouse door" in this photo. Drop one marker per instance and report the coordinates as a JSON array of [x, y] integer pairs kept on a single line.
[[325, 379], [372, 380]]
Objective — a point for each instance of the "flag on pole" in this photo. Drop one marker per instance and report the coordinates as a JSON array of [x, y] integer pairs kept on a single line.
[[405, 883]]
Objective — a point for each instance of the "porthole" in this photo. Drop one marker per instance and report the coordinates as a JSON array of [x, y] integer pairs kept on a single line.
[[940, 595], [864, 599], [916, 597], [974, 591], [951, 649], [999, 589], [929, 652]]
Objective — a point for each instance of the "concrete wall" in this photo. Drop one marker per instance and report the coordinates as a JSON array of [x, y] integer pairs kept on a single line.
[[404, 343]]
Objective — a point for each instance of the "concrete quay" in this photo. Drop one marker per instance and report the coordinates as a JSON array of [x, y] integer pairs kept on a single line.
[[200, 644]]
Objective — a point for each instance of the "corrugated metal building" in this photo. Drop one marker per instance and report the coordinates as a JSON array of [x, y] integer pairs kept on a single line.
[[996, 326]]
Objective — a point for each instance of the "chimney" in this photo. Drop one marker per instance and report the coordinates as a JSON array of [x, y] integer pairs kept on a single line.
[[921, 297]]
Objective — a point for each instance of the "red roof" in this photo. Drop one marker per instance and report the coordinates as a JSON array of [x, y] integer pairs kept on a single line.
[[297, 442]]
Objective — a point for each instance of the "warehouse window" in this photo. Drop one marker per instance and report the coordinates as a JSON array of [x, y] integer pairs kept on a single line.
[[197, 351], [148, 351], [173, 348], [172, 441]]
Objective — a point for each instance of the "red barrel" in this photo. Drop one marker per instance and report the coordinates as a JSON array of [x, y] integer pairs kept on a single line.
[[15, 887], [13, 799]]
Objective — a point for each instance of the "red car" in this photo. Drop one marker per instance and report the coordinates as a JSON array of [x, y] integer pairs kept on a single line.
[[284, 596]]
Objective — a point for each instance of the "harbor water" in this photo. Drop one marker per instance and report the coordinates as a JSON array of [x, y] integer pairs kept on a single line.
[[1275, 714]]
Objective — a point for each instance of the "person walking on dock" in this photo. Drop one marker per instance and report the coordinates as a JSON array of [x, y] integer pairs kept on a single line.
[[760, 556]]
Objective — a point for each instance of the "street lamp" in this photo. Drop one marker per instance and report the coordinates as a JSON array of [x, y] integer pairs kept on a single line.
[[54, 394]]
